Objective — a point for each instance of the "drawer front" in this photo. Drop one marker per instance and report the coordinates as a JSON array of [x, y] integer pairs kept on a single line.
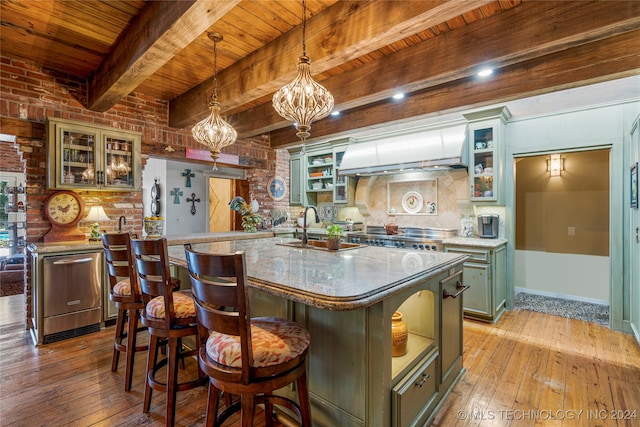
[[475, 254], [412, 396]]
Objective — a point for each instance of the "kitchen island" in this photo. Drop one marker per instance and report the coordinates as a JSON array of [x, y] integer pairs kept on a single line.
[[346, 300]]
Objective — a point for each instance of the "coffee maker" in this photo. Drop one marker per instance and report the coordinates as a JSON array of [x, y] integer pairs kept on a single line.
[[488, 226]]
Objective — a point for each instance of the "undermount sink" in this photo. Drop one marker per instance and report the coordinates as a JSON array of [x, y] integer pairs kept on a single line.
[[321, 245]]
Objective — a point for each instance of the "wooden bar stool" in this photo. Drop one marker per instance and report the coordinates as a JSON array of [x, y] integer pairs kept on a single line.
[[125, 293], [245, 357], [169, 316]]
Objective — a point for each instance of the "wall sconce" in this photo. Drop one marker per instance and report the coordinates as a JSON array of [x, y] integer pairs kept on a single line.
[[555, 165], [96, 214]]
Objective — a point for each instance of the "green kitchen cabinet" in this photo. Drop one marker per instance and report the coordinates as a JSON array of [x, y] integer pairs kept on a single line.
[[485, 272]]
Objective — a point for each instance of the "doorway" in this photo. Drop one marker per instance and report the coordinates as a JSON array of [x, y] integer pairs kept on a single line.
[[221, 191], [562, 226]]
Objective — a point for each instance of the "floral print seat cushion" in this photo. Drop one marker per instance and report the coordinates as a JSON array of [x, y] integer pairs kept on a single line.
[[274, 341], [123, 287], [183, 306]]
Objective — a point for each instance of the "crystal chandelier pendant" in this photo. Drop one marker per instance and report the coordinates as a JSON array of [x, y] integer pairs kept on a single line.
[[304, 100], [214, 131]]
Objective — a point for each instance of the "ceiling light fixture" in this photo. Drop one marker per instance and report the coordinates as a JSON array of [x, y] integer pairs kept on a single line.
[[485, 72], [213, 131], [398, 95], [303, 101]]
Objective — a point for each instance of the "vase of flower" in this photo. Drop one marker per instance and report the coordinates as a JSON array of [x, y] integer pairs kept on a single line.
[[399, 335]]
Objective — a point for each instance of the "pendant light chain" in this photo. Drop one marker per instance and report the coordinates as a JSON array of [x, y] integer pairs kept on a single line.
[[304, 28]]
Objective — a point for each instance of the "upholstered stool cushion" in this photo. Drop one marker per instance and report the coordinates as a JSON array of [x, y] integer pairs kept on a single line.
[[274, 341], [183, 306], [123, 287]]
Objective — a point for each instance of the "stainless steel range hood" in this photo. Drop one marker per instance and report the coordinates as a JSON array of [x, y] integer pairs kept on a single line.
[[427, 149]]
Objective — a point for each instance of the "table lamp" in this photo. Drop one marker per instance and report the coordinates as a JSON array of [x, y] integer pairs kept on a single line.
[[96, 214]]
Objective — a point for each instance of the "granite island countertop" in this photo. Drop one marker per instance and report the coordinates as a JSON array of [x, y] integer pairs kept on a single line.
[[344, 280]]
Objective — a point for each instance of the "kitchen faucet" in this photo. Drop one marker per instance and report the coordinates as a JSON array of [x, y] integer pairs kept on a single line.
[[304, 223], [121, 220]]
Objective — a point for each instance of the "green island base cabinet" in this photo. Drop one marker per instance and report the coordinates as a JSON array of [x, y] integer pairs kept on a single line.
[[347, 305], [485, 272]]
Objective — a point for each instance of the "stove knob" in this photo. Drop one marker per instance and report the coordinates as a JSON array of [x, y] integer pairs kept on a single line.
[[402, 244], [415, 246], [434, 248], [397, 244], [421, 246]]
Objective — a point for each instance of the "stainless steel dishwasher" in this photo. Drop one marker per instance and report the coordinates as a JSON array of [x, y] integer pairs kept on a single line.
[[71, 295]]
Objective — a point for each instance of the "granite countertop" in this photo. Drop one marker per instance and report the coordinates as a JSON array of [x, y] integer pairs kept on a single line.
[[475, 241], [344, 280], [172, 239]]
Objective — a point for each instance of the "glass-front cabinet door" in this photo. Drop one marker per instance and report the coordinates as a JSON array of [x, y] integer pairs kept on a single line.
[[85, 156], [341, 186], [486, 154], [76, 156], [118, 161], [483, 165]]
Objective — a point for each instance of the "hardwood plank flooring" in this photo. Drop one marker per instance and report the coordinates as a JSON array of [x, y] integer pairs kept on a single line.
[[528, 369]]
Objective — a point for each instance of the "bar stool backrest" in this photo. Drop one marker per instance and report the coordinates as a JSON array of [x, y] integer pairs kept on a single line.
[[120, 265], [152, 267]]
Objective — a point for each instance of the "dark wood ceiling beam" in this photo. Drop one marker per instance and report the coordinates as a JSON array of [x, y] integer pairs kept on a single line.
[[157, 34], [602, 60], [344, 31], [500, 41]]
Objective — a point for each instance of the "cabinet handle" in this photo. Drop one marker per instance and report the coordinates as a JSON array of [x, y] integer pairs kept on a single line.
[[637, 234], [459, 286], [424, 378]]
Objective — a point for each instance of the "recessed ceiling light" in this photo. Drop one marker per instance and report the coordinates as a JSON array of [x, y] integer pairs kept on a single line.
[[335, 113], [485, 72], [399, 95]]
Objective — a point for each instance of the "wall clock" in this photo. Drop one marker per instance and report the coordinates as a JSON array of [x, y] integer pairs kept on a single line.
[[276, 188], [64, 210]]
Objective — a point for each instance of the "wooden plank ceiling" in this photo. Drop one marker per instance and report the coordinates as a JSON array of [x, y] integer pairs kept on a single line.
[[362, 51]]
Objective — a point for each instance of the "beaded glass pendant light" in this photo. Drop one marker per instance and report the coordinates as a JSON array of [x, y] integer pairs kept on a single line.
[[213, 131], [303, 101]]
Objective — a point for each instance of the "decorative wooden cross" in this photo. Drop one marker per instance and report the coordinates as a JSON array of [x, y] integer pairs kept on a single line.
[[189, 175], [176, 193], [193, 201]]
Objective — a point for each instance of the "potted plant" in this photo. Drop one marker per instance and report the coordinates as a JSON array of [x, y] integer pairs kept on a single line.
[[334, 233]]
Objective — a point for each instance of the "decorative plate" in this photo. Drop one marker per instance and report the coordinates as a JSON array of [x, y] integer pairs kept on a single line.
[[412, 202]]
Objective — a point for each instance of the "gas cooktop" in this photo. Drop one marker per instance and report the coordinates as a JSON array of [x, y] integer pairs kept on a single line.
[[427, 239]]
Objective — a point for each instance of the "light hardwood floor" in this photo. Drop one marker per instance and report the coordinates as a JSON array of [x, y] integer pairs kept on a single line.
[[528, 369]]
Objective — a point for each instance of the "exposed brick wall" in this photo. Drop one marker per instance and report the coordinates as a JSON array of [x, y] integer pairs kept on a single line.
[[33, 94], [10, 158]]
